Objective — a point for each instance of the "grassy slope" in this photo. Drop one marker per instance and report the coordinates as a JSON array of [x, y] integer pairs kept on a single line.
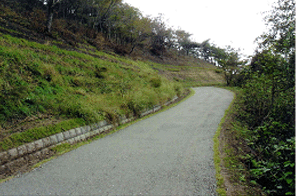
[[190, 76], [37, 78], [47, 84]]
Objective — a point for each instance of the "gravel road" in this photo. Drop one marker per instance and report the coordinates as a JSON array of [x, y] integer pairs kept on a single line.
[[170, 153]]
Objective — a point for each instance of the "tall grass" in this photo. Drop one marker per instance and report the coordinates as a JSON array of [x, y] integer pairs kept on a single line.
[[38, 78]]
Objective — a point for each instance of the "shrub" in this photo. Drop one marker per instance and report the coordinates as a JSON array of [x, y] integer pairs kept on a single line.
[[155, 82], [270, 116]]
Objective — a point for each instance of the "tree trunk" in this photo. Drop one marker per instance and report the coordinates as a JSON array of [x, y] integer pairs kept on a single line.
[[133, 47], [49, 22], [49, 15]]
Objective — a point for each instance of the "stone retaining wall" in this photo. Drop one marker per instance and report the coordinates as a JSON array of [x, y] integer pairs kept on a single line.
[[40, 149]]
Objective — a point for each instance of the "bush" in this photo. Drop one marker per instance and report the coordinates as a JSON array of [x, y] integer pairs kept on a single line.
[[270, 116], [155, 82]]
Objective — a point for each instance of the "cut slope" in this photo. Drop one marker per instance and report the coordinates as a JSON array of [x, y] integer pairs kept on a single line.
[[44, 80], [48, 80]]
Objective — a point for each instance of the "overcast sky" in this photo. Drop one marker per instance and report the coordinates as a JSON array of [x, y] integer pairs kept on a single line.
[[226, 22]]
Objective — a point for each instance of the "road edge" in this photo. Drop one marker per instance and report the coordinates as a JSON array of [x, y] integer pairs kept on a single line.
[[74, 138], [217, 155]]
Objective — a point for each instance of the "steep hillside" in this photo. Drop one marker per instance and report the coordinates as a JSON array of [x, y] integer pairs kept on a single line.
[[50, 81]]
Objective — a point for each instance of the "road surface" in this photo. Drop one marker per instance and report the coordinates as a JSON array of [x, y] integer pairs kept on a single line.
[[170, 153]]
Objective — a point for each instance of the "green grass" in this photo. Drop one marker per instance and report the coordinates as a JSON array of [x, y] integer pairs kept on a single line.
[[30, 135], [192, 76], [217, 159], [18, 139], [38, 78], [61, 148], [82, 88], [230, 153], [81, 84], [173, 69], [65, 147]]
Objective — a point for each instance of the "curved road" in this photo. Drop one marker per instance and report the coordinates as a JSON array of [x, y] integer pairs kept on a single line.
[[170, 153]]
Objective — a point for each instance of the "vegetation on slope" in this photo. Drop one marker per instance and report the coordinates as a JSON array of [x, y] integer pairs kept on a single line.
[[42, 79], [68, 78]]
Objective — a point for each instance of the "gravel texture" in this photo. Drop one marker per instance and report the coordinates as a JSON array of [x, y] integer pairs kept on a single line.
[[170, 153]]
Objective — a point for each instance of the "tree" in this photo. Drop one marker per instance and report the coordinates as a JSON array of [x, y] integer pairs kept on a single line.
[[130, 26], [142, 31], [217, 54], [231, 65], [206, 49], [183, 41], [275, 58], [170, 39], [51, 5], [281, 24], [189, 46], [269, 103], [158, 35]]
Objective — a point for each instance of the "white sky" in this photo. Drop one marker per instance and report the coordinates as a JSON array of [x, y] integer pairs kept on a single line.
[[226, 22]]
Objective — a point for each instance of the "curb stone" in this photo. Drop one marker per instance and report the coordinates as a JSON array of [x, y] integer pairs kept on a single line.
[[24, 154], [39, 144]]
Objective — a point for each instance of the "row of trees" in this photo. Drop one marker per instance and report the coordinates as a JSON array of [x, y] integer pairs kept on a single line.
[[125, 28], [119, 23], [268, 101]]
